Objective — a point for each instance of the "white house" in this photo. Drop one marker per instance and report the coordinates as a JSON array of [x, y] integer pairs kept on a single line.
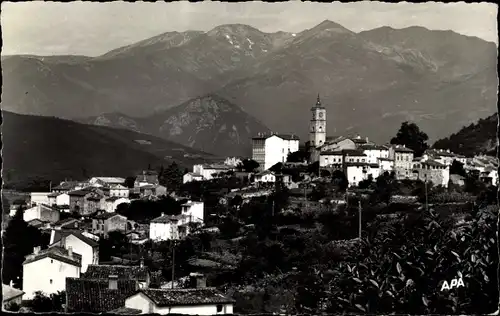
[[269, 149], [210, 171], [168, 227], [374, 152], [119, 190], [357, 172], [265, 177], [232, 161], [386, 164], [194, 210], [403, 161], [106, 181], [433, 171], [191, 176], [111, 203], [80, 244], [43, 213], [197, 301], [39, 198], [330, 158], [47, 270]]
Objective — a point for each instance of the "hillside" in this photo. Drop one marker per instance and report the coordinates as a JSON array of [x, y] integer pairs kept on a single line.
[[366, 80], [476, 138], [54, 149], [209, 123]]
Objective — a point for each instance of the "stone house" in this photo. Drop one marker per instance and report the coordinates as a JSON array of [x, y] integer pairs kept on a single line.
[[105, 223]]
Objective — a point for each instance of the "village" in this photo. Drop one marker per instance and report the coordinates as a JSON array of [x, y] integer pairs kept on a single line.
[[139, 274]]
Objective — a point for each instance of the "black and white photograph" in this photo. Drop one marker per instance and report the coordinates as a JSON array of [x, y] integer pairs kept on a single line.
[[250, 158]]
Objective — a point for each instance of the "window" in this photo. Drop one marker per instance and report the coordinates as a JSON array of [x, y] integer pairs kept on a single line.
[[219, 308], [50, 281], [51, 261]]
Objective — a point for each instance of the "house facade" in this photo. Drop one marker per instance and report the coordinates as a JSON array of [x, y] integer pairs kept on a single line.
[[111, 203], [194, 210], [47, 270], [146, 177], [191, 176], [43, 213], [210, 171], [433, 171], [198, 301], [168, 227], [265, 177], [269, 149], [403, 161], [86, 247], [85, 201], [118, 190], [37, 198], [105, 223], [106, 181]]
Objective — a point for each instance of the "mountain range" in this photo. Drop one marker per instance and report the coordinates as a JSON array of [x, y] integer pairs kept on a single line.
[[440, 80], [37, 148]]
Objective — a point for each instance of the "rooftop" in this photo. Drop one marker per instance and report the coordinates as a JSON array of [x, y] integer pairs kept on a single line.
[[59, 234], [56, 253], [107, 215], [9, 293], [110, 179], [176, 297], [126, 311], [401, 148], [95, 271], [168, 218], [94, 295], [282, 136]]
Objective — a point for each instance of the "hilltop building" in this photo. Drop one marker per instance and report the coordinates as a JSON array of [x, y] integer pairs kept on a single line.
[[269, 149]]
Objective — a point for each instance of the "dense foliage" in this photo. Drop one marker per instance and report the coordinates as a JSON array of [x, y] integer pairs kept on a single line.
[[409, 134], [19, 240], [45, 304], [474, 139]]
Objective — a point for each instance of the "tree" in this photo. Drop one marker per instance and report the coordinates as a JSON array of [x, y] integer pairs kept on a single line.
[[248, 165], [409, 134], [298, 156], [365, 184], [277, 168], [171, 177], [129, 182], [340, 180], [18, 241], [44, 304], [458, 168]]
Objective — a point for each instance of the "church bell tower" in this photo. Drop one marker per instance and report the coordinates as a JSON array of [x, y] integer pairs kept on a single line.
[[317, 126]]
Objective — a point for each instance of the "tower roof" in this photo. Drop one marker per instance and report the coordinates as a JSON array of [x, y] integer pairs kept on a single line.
[[318, 104]]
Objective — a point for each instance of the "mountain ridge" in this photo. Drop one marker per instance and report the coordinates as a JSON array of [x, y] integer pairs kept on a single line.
[[366, 79]]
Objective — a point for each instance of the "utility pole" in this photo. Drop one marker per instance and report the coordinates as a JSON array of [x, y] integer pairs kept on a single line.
[[426, 199], [359, 207], [173, 263]]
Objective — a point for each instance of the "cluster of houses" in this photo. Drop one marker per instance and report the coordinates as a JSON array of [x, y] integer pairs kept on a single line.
[[71, 261], [360, 158]]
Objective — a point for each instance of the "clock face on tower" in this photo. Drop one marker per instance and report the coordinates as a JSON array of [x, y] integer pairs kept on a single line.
[[320, 115]]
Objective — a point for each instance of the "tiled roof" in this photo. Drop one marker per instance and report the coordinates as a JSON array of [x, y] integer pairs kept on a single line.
[[331, 152], [94, 295], [176, 297], [353, 152], [59, 234], [126, 311], [57, 253], [167, 219], [123, 272], [282, 136], [81, 192], [361, 164], [65, 222], [114, 198], [53, 194], [110, 179], [399, 148], [194, 174], [9, 293], [432, 163], [373, 147], [107, 215]]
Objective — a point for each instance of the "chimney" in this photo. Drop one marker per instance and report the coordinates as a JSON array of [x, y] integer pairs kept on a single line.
[[11, 283], [36, 250], [113, 282], [162, 214], [142, 262], [70, 251], [367, 139], [198, 280]]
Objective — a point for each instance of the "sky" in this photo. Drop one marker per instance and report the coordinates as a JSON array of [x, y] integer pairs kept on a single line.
[[92, 29]]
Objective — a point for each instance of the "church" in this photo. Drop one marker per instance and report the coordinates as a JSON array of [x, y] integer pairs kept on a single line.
[[320, 143]]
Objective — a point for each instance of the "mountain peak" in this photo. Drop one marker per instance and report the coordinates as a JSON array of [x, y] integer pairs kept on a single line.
[[328, 25], [239, 29]]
